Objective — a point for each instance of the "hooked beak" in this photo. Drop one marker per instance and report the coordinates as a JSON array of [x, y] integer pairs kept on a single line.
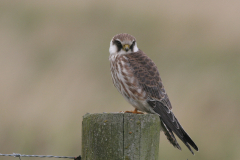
[[126, 47]]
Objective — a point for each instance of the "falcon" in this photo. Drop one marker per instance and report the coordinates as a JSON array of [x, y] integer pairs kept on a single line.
[[137, 78]]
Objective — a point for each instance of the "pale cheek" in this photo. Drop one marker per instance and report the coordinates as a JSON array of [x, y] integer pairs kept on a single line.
[[135, 48], [112, 49]]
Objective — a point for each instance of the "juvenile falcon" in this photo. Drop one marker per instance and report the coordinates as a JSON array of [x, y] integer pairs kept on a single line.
[[136, 77]]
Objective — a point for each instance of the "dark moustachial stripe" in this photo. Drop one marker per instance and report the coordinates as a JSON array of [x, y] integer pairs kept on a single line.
[[131, 47], [118, 44]]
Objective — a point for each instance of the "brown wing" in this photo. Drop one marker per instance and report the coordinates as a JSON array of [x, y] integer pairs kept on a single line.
[[146, 72]]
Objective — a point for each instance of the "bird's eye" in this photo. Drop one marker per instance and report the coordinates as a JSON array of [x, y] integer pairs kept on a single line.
[[133, 43], [118, 44]]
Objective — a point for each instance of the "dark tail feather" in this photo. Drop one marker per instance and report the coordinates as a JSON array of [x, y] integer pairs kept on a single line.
[[186, 138], [170, 136], [171, 124]]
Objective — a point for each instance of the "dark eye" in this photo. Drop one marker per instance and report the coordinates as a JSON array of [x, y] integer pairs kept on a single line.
[[118, 44], [131, 47]]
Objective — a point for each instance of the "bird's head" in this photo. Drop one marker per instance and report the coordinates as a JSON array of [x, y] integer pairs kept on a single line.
[[123, 44]]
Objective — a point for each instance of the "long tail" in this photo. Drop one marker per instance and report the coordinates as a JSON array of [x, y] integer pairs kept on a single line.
[[170, 125]]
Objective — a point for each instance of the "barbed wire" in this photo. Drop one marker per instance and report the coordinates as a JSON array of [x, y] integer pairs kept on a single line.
[[40, 156]]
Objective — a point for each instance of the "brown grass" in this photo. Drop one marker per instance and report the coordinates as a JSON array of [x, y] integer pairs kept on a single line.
[[54, 69]]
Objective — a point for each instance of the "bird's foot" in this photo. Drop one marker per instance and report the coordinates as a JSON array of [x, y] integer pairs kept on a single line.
[[134, 112]]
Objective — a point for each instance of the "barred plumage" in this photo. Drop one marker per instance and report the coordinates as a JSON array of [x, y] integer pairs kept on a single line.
[[136, 77]]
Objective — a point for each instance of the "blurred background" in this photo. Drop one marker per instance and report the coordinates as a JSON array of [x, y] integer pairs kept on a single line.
[[54, 69]]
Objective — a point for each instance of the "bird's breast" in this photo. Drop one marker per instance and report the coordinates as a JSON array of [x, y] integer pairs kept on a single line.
[[124, 79]]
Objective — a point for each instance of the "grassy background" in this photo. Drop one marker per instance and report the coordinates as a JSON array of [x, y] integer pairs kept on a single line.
[[54, 68]]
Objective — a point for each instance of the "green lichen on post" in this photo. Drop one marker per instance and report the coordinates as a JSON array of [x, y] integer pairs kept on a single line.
[[143, 142], [149, 126], [118, 136], [101, 133]]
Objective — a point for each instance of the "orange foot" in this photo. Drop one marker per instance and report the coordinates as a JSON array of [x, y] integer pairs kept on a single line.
[[135, 111]]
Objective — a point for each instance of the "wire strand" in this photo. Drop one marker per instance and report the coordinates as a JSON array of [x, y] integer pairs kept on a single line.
[[40, 156]]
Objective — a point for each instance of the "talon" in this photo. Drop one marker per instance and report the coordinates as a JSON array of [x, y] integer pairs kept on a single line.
[[134, 112]]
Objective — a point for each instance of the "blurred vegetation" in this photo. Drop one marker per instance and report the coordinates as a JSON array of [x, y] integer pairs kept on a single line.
[[54, 68]]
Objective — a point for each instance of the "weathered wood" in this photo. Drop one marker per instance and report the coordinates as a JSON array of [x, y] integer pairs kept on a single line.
[[118, 136]]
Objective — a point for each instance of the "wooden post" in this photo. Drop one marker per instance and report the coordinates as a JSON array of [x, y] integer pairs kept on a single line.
[[120, 136]]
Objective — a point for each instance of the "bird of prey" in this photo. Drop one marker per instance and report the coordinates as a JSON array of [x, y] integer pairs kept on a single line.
[[136, 77]]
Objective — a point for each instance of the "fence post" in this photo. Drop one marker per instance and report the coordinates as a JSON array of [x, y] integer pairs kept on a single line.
[[120, 136]]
